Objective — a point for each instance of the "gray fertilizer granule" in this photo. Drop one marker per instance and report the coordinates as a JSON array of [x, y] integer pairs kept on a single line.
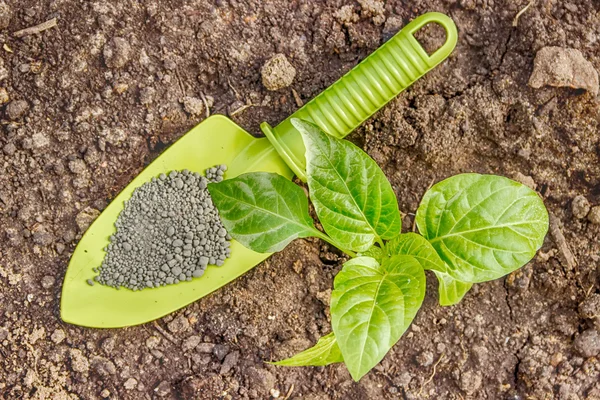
[[169, 231]]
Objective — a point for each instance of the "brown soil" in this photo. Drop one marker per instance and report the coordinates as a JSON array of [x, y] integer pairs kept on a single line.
[[84, 133]]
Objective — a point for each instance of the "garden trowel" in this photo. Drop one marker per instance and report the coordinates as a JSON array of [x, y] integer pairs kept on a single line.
[[338, 110]]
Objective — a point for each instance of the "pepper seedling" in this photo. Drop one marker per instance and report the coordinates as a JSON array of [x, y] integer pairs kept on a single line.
[[473, 228]]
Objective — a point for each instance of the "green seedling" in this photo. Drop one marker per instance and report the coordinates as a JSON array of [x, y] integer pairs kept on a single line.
[[474, 228]]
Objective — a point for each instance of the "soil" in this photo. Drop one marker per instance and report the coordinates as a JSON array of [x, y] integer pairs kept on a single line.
[[96, 98]]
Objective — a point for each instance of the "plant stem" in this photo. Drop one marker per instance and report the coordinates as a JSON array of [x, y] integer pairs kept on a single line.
[[326, 238]]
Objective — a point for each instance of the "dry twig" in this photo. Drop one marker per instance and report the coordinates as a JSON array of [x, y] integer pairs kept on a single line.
[[432, 373], [561, 242], [515, 22], [35, 29]]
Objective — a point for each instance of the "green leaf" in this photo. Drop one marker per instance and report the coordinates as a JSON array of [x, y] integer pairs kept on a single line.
[[263, 211], [482, 226], [372, 305], [450, 290], [325, 352], [352, 197], [418, 247], [375, 252]]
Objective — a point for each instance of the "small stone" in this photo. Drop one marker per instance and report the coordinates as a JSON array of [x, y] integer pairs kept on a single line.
[[563, 67], [47, 281], [205, 347], [77, 166], [590, 307], [425, 358], [163, 389], [105, 393], [17, 109], [85, 218], [117, 53], [588, 343], [594, 215], [58, 336], [103, 366], [260, 379], [42, 238], [470, 382], [190, 343], [147, 95], [193, 105], [152, 342], [39, 140], [580, 207], [179, 324], [4, 98], [277, 73], [230, 361], [130, 384], [220, 351], [5, 15], [60, 248], [525, 180], [9, 149], [79, 363]]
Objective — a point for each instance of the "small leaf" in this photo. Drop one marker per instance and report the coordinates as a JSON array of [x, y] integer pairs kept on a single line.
[[372, 305], [375, 252], [450, 290], [352, 197], [263, 211], [418, 247], [325, 352], [482, 226]]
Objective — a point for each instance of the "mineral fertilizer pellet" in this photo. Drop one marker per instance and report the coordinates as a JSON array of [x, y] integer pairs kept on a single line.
[[169, 231]]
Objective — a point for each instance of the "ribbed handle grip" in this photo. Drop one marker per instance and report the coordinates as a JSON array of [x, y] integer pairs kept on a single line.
[[351, 100]]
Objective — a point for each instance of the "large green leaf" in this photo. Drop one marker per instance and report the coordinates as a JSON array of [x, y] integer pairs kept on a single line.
[[263, 211], [482, 226], [325, 352], [352, 197], [372, 305]]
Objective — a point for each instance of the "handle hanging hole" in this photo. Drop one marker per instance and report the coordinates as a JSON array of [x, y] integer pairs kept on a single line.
[[431, 37]]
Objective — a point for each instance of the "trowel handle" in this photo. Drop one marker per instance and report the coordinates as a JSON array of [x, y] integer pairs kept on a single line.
[[380, 77]]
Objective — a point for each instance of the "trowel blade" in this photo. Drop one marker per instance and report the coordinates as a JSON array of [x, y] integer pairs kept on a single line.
[[217, 140]]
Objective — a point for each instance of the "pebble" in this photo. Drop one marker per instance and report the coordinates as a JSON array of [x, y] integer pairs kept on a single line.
[[130, 384], [191, 343], [58, 336], [5, 15], [563, 67], [9, 149], [594, 215], [77, 166], [147, 95], [425, 358], [85, 218], [470, 382], [117, 53], [230, 361], [47, 281], [4, 97], [220, 351], [17, 109], [205, 347], [588, 343], [163, 389], [152, 342], [105, 393], [580, 207], [78, 361], [277, 73], [193, 105], [179, 324]]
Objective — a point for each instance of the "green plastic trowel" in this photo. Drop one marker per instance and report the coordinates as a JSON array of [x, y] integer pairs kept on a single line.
[[217, 140]]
